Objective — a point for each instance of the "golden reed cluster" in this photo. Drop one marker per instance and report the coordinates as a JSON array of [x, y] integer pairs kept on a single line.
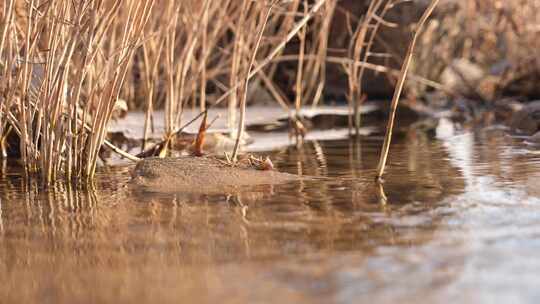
[[64, 64]]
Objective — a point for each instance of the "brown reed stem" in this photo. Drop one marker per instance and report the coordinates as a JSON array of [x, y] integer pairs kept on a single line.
[[242, 122], [276, 50], [399, 87]]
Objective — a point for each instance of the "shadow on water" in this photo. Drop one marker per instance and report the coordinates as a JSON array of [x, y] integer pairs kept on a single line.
[[456, 219]]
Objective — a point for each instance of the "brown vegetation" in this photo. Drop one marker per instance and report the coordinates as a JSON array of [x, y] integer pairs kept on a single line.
[[499, 37], [64, 64]]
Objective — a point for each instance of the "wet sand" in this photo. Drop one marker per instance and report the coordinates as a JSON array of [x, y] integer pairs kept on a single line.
[[201, 175]]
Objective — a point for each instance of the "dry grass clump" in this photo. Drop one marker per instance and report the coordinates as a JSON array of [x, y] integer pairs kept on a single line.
[[360, 50], [64, 64], [501, 37]]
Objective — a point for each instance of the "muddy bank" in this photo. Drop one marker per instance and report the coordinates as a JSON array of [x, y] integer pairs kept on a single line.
[[201, 175]]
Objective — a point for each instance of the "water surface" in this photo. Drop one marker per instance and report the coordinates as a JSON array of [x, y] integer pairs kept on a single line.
[[458, 220]]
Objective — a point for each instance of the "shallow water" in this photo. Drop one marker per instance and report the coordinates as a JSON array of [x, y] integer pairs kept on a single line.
[[458, 220]]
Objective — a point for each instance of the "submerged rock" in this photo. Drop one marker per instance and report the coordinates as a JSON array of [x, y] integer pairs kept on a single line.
[[462, 76], [527, 120], [201, 175], [535, 139]]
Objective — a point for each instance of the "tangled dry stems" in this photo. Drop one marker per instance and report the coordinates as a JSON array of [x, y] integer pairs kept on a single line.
[[64, 64]]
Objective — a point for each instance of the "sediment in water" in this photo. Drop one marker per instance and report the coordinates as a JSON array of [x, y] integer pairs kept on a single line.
[[201, 175]]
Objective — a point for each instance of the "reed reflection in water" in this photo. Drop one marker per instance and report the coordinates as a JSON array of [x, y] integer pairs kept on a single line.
[[448, 209]]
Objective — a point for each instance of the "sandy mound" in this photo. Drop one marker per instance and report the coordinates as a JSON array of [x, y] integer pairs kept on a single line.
[[200, 175]]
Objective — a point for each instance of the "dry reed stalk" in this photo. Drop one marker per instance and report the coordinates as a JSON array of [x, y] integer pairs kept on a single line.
[[317, 71], [187, 57], [273, 89], [243, 45], [190, 50], [150, 67], [63, 97], [231, 58], [276, 50], [299, 87], [278, 95], [343, 61], [379, 20], [356, 48], [244, 42], [211, 62], [301, 52], [5, 34], [138, 15], [399, 87], [235, 65], [170, 43], [241, 123], [204, 55], [283, 23]]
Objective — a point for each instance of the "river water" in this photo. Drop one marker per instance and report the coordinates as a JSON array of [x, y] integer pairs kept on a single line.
[[457, 221]]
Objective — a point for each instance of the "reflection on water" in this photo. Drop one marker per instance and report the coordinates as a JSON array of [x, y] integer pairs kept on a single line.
[[458, 220]]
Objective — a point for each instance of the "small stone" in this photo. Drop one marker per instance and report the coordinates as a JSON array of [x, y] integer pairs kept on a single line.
[[535, 139], [462, 76], [527, 120]]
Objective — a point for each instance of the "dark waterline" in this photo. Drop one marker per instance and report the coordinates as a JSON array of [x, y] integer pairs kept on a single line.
[[458, 220]]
